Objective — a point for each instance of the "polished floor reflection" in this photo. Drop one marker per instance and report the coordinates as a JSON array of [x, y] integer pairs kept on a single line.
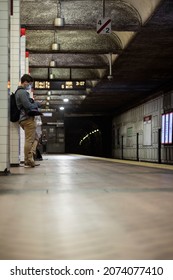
[[76, 207]]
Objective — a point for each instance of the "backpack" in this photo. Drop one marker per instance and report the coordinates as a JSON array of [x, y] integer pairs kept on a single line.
[[14, 111]]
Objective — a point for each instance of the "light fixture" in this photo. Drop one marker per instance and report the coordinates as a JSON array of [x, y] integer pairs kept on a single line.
[[88, 90], [55, 45], [61, 108], [49, 92], [47, 103], [48, 97], [66, 100], [59, 21], [51, 75], [52, 63]]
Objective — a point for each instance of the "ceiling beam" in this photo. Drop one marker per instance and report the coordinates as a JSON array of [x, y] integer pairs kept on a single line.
[[103, 51], [79, 27]]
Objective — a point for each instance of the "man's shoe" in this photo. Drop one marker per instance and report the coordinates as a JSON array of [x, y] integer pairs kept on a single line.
[[31, 163], [28, 166]]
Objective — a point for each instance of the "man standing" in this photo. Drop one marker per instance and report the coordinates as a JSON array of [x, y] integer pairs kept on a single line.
[[27, 122], [38, 133]]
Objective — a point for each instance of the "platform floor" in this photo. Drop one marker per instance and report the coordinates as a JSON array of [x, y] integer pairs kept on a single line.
[[76, 207]]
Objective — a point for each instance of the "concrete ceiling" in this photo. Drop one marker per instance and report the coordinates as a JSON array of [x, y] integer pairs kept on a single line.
[[139, 48]]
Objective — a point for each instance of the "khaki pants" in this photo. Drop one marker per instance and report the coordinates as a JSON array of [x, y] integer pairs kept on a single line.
[[34, 146], [29, 127]]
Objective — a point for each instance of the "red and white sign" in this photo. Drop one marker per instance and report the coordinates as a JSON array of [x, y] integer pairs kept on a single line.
[[104, 26]]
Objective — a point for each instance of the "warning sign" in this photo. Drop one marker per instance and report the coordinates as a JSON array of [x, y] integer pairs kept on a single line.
[[104, 26]]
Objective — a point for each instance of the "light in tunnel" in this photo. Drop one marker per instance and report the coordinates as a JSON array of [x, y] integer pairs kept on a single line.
[[66, 100], [88, 135]]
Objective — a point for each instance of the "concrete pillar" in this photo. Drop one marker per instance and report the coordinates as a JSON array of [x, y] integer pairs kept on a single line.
[[14, 78], [4, 96], [22, 72]]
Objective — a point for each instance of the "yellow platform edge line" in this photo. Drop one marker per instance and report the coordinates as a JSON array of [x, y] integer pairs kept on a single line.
[[138, 163]]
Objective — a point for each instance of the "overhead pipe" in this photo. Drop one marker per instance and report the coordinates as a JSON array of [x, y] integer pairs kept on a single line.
[[110, 76], [110, 64], [103, 4]]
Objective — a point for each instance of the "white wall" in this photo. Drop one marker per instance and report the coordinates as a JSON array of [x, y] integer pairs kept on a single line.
[[133, 122]]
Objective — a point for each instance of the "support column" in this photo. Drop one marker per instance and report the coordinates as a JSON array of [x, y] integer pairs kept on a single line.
[[14, 78], [22, 72], [4, 97]]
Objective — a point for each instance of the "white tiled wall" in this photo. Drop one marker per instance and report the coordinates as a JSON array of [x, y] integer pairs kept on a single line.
[[134, 119], [14, 76], [4, 131]]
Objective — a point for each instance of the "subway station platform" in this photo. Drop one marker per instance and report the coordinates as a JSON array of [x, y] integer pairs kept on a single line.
[[78, 207]]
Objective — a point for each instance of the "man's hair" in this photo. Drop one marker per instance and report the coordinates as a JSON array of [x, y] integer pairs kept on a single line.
[[26, 78]]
